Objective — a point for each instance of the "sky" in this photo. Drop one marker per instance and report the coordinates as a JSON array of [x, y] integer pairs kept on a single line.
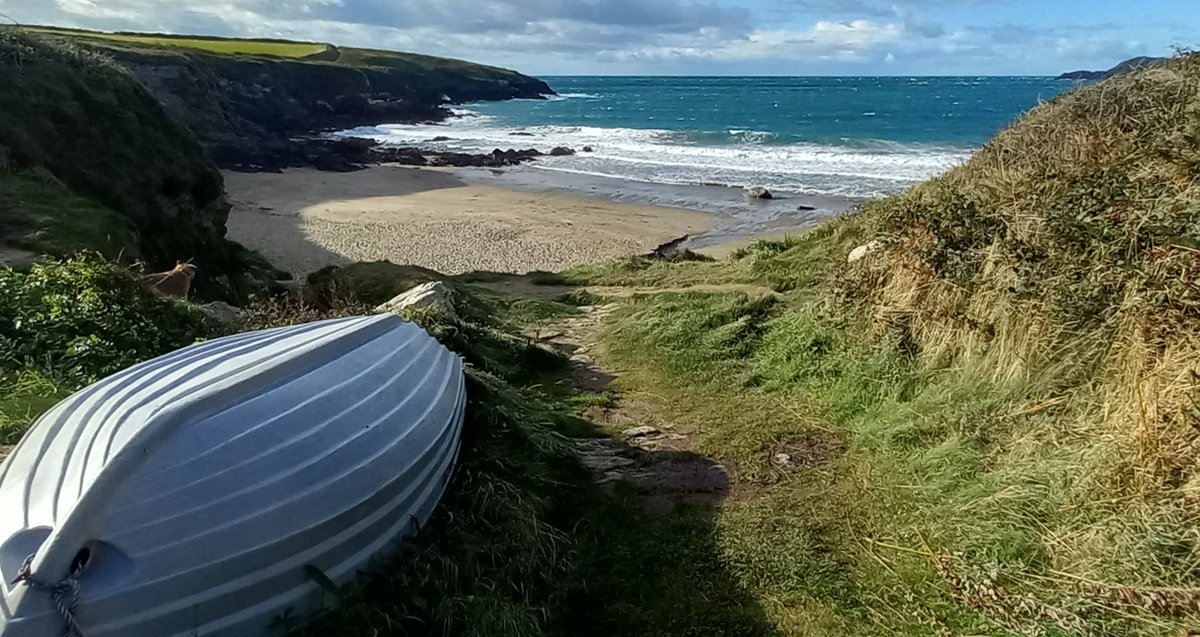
[[686, 37]]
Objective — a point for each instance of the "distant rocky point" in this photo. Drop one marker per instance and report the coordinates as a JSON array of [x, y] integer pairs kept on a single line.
[[1128, 66]]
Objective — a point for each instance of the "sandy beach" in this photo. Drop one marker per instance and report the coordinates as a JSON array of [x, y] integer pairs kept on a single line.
[[304, 219]]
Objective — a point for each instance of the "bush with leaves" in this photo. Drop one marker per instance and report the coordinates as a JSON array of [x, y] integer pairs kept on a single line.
[[84, 318]]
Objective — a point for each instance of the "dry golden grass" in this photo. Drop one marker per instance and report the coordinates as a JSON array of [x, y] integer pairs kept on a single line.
[[1071, 236]]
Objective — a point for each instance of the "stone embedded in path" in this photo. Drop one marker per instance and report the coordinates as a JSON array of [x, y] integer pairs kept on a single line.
[[640, 432]]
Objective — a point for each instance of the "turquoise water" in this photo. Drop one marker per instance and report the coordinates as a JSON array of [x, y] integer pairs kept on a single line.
[[818, 136]]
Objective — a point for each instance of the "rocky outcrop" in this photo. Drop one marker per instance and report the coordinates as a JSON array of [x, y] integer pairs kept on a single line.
[[1128, 66], [436, 297], [246, 109], [352, 153]]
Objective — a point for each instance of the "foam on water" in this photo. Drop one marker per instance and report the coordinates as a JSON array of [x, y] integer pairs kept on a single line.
[[695, 142], [732, 157]]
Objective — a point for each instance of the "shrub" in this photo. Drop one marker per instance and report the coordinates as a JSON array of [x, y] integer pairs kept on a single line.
[[84, 317]]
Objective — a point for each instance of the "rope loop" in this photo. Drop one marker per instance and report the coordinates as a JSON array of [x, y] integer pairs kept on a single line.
[[64, 594]]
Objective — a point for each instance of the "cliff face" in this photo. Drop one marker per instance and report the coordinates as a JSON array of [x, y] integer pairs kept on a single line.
[[92, 159], [243, 107]]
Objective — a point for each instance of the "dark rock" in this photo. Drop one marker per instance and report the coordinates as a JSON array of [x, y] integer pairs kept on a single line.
[[804, 208], [668, 249], [588, 149], [221, 313], [440, 138], [495, 159], [561, 151], [759, 192], [404, 156], [335, 163], [521, 133]]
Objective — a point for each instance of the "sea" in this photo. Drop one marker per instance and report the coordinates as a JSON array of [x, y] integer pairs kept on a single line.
[[820, 144]]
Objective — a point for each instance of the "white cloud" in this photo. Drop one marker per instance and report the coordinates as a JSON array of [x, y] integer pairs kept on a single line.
[[606, 35]]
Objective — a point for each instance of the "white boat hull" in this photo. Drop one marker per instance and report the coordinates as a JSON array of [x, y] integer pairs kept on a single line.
[[201, 486]]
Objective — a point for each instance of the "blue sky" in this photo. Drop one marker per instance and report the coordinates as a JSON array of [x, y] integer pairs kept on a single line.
[[687, 37]]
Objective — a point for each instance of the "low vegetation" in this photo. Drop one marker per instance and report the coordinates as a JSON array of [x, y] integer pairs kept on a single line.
[[64, 324], [1001, 394], [40, 214]]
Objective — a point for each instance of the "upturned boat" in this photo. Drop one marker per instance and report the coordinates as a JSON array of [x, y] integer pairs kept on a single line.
[[206, 492]]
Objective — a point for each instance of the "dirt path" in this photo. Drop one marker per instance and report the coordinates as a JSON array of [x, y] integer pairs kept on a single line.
[[645, 451]]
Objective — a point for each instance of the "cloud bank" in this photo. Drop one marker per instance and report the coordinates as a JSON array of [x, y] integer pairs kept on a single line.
[[626, 36]]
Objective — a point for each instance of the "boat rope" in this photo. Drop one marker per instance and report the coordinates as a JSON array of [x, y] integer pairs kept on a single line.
[[65, 594]]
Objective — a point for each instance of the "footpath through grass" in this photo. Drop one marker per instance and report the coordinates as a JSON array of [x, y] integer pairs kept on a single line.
[[880, 492]]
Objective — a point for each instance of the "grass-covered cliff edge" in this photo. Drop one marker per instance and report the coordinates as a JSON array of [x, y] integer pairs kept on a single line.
[[247, 99], [985, 423], [89, 159]]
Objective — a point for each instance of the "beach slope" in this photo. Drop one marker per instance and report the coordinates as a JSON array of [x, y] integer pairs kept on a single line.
[[304, 219]]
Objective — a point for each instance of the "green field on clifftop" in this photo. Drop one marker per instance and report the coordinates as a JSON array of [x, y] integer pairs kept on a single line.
[[230, 46], [305, 51]]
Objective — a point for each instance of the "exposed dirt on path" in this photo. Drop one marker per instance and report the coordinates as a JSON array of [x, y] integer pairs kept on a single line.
[[644, 451]]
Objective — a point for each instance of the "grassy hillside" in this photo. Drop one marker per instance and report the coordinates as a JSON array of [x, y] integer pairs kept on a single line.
[[310, 51], [90, 160], [1009, 378]]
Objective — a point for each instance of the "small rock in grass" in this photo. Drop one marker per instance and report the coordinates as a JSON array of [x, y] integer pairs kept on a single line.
[[435, 294], [221, 312], [862, 251]]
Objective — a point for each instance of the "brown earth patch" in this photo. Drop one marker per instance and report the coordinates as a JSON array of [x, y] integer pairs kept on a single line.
[[816, 448]]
